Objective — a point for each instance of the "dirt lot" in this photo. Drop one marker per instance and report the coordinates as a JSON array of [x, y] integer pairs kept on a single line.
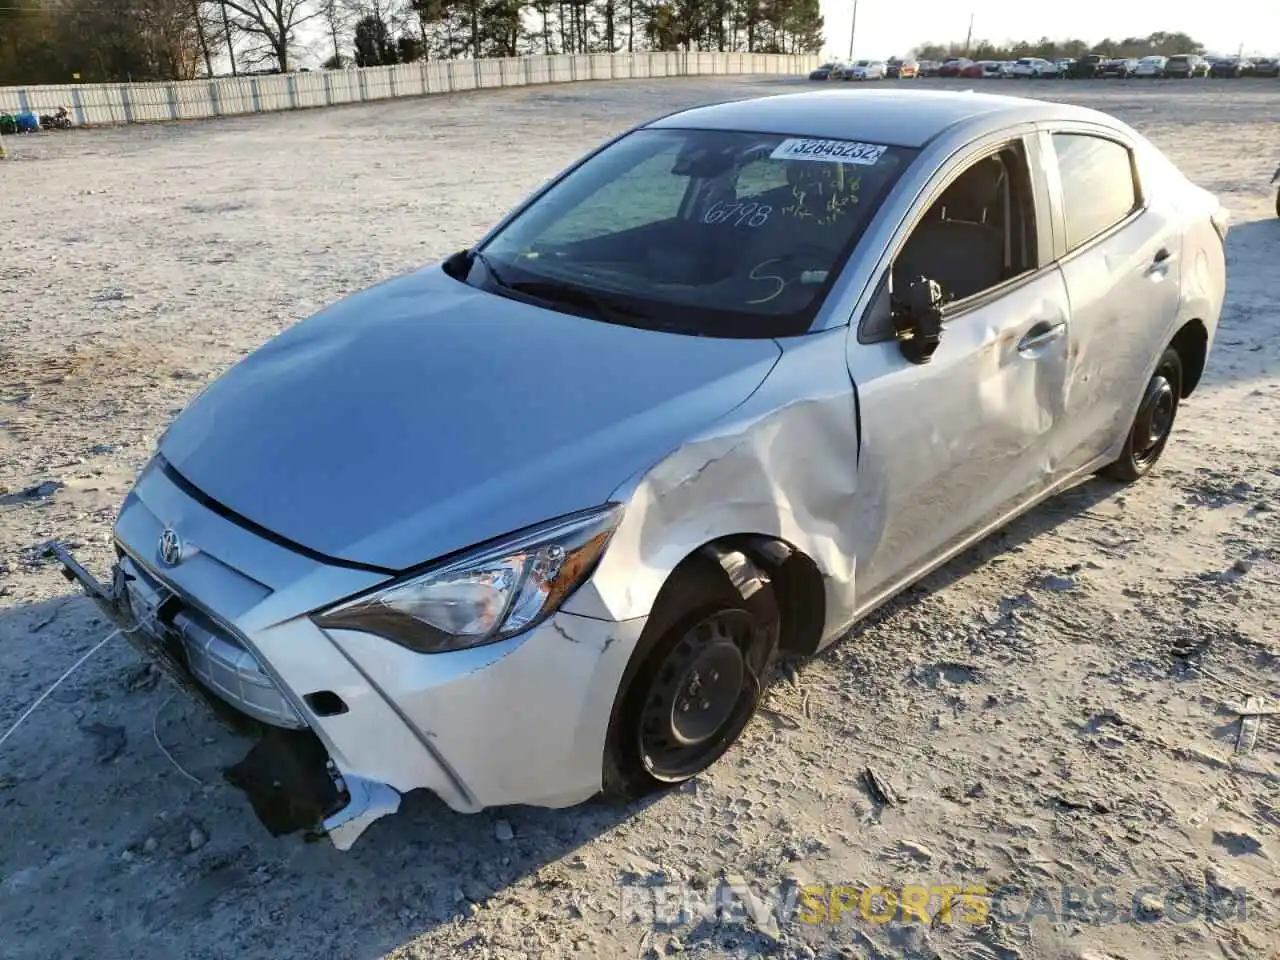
[[1050, 706]]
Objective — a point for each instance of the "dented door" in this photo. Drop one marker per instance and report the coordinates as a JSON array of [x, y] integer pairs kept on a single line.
[[954, 445]]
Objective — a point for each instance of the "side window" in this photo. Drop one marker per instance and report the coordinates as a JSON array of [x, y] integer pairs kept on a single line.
[[1098, 189], [979, 233]]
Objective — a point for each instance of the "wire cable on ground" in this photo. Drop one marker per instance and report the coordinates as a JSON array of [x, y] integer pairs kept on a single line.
[[57, 683], [155, 735]]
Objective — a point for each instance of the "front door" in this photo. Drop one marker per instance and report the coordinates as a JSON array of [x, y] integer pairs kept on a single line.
[[952, 446]]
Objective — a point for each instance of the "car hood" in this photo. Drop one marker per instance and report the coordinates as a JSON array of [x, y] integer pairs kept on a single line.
[[422, 416]]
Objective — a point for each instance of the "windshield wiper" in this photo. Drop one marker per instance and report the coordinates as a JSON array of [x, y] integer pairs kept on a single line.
[[600, 308], [554, 292]]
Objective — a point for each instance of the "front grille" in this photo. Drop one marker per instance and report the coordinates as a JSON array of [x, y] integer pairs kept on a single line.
[[215, 657]]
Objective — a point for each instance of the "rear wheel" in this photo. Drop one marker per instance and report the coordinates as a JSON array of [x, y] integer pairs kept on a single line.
[[1153, 423], [702, 668]]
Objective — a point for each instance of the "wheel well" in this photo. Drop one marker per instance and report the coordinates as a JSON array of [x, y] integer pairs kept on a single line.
[[1192, 344], [797, 585]]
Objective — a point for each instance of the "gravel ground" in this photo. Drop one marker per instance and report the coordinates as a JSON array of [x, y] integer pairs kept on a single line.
[[1051, 708]]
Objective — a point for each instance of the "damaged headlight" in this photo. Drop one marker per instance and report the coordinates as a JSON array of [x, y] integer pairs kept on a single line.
[[487, 595]]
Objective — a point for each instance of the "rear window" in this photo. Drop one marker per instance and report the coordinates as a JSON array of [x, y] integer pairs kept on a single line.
[[1179, 59], [1098, 189]]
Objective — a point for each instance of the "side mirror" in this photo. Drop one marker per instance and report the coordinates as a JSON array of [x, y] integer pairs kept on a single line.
[[917, 324]]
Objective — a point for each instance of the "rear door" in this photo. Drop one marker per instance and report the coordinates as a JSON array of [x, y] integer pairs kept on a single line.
[[954, 445], [1121, 257]]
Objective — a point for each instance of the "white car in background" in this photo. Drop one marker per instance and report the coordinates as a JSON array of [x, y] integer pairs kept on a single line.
[[1150, 67], [1033, 68], [992, 69], [865, 70]]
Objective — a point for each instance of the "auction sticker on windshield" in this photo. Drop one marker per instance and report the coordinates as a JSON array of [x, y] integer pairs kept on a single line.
[[829, 151]]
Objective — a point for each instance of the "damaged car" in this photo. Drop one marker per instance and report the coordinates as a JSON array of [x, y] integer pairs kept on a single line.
[[537, 521]]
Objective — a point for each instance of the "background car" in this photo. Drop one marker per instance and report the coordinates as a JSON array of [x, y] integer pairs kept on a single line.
[[929, 68], [1231, 67], [1266, 67], [973, 70], [894, 68], [1183, 66], [992, 69], [1088, 67], [1034, 68], [1121, 67], [827, 71], [1150, 67], [865, 70], [953, 67]]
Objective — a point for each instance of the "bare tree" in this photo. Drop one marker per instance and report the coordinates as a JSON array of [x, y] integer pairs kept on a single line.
[[337, 18], [274, 23]]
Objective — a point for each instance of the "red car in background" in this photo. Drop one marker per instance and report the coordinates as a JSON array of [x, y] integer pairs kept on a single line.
[[954, 67], [972, 70]]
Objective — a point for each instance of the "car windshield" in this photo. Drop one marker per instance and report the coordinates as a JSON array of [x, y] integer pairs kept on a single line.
[[708, 232], [1179, 59], [863, 63]]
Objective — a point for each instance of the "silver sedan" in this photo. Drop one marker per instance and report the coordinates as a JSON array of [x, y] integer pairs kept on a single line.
[[536, 522]]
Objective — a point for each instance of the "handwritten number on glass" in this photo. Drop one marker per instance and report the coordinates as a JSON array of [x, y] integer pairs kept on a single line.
[[738, 214]]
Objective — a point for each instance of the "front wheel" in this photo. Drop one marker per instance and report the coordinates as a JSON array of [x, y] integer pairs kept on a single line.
[[1153, 423], [701, 671]]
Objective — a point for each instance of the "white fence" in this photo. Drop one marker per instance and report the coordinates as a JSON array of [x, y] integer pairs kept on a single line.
[[101, 103]]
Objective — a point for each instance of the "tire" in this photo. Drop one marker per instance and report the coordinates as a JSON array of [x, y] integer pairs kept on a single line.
[[1278, 204], [1153, 423], [705, 647]]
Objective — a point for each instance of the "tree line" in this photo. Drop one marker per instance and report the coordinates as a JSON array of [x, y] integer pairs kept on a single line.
[[95, 41], [1159, 43]]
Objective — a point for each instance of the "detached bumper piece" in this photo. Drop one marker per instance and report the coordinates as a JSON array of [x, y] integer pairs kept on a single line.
[[288, 777]]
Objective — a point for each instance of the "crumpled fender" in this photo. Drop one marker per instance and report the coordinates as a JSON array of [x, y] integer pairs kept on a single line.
[[783, 464]]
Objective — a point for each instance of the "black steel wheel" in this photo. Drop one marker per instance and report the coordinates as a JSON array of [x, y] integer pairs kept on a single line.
[[696, 679], [1153, 422]]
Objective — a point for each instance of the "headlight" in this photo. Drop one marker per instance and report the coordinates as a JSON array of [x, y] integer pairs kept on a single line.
[[487, 595]]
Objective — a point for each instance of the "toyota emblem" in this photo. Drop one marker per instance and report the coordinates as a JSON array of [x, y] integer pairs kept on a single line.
[[170, 547]]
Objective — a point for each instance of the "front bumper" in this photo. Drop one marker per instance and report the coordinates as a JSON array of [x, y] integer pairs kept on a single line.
[[361, 719]]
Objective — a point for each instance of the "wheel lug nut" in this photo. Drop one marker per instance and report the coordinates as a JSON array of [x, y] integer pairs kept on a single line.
[[706, 704], [684, 706]]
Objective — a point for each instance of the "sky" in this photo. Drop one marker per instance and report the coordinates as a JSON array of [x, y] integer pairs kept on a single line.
[[892, 27]]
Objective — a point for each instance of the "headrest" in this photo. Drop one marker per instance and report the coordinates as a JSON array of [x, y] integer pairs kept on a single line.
[[975, 191]]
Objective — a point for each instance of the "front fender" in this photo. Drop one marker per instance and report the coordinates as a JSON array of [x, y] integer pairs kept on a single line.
[[783, 465]]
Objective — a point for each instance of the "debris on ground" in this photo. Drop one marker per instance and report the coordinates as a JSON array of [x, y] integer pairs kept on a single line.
[[880, 789], [110, 740]]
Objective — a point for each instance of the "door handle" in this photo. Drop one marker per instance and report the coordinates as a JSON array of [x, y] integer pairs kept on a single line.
[[1041, 335]]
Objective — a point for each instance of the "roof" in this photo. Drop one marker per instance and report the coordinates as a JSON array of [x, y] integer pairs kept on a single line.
[[905, 118]]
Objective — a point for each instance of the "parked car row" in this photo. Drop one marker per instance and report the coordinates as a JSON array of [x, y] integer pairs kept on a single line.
[[893, 68], [1092, 66]]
